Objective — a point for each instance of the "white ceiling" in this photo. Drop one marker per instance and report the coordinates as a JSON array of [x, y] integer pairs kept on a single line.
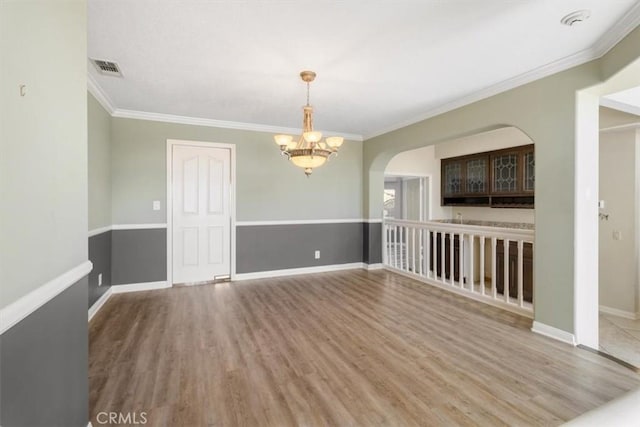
[[380, 63]]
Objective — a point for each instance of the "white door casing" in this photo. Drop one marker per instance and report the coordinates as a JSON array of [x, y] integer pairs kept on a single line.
[[200, 213]]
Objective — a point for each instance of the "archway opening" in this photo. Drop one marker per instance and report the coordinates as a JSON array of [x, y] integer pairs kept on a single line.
[[473, 230]]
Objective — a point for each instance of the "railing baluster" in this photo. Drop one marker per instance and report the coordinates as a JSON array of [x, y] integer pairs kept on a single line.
[[520, 273], [451, 260], [461, 260], [402, 243], [395, 246], [494, 261], [472, 261], [427, 258], [506, 281], [443, 276], [420, 252], [481, 239], [421, 248], [413, 250]]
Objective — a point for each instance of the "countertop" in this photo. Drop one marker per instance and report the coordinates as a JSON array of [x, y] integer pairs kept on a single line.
[[500, 224]]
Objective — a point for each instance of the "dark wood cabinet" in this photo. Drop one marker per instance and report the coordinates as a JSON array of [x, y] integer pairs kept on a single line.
[[436, 253], [505, 170], [527, 270], [529, 171], [452, 178], [500, 178], [465, 176]]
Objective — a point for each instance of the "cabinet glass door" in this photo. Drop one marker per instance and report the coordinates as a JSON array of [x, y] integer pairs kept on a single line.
[[452, 178], [529, 171], [505, 173], [477, 175]]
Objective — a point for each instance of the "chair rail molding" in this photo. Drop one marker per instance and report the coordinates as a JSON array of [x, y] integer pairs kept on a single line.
[[24, 306]]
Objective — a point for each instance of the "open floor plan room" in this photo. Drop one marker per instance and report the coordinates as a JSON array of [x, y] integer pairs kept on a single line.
[[409, 213], [341, 348]]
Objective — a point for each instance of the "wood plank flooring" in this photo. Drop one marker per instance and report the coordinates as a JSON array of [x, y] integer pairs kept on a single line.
[[352, 348]]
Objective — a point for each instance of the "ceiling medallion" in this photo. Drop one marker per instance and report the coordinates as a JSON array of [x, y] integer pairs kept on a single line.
[[576, 17], [308, 151]]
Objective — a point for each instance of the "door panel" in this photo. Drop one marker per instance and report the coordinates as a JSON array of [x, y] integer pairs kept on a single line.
[[201, 213], [216, 192], [190, 248], [216, 245]]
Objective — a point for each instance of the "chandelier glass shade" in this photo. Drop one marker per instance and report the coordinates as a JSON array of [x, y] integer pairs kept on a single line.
[[308, 151]]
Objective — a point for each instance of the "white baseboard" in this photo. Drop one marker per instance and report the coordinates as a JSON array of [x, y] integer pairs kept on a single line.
[[378, 266], [619, 313], [303, 270], [555, 333], [136, 287], [98, 304], [18, 310]]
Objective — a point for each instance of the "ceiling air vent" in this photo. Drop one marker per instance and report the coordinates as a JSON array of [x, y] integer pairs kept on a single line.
[[108, 68]]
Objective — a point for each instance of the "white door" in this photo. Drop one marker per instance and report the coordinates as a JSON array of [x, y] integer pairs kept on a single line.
[[201, 215]]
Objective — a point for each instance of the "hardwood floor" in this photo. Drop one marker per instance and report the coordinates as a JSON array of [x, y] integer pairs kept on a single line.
[[341, 349]]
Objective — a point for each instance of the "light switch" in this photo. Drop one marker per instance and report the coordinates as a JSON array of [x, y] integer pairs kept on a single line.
[[601, 204], [156, 205], [617, 235]]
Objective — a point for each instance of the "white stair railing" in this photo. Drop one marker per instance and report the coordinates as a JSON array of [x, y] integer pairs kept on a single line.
[[484, 263]]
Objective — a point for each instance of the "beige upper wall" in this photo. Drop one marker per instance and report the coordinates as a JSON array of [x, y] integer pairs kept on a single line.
[[268, 187], [43, 141], [611, 118], [99, 167], [546, 110]]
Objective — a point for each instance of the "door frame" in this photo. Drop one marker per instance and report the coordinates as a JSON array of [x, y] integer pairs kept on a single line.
[[426, 191], [232, 200]]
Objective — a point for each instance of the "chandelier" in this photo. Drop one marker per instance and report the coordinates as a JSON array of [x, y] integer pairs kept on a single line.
[[308, 151]]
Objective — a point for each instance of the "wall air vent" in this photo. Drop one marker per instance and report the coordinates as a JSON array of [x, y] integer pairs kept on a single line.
[[108, 68]]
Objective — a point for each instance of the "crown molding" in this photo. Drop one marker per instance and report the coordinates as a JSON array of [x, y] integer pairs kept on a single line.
[[503, 86], [94, 88], [609, 39], [620, 106], [186, 120], [612, 37], [604, 44], [620, 128], [100, 95]]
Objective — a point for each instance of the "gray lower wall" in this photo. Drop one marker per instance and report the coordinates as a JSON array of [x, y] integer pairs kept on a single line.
[[372, 243], [138, 256], [100, 256], [276, 247], [44, 367]]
